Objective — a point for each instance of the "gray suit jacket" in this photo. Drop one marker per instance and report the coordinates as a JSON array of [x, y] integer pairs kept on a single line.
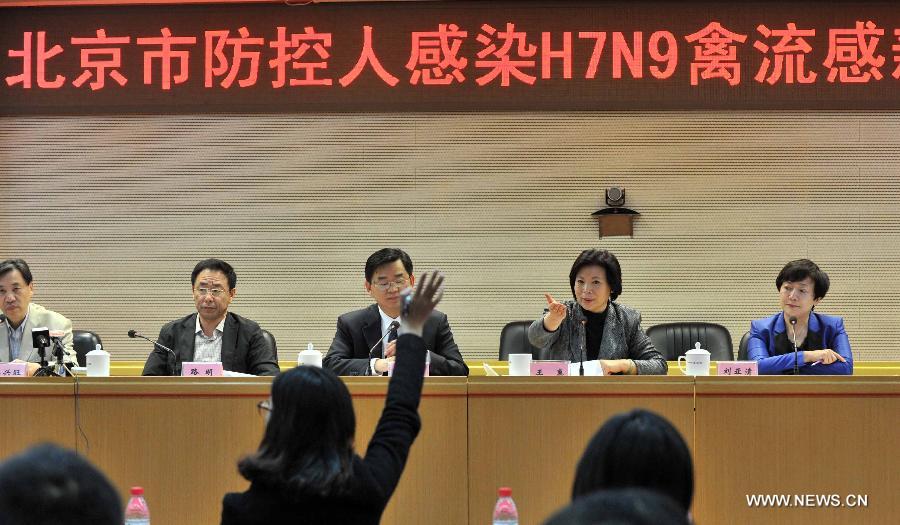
[[243, 348], [38, 317], [623, 338]]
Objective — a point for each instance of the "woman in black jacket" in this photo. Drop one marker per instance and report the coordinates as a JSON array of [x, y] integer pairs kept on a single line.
[[306, 470]]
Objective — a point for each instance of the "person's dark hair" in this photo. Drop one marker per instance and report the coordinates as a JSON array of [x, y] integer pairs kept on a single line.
[[801, 269], [48, 484], [307, 448], [603, 259], [637, 449], [215, 265], [632, 506], [385, 256], [16, 264]]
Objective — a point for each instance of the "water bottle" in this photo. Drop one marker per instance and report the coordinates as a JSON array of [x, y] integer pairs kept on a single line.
[[427, 363], [136, 512], [505, 512]]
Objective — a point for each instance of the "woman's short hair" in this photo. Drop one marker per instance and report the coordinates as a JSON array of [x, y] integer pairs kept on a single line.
[[634, 506], [800, 269], [603, 259], [48, 484], [307, 448], [637, 449]]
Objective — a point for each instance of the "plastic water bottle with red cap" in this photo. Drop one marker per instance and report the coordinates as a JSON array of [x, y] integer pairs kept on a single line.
[[505, 512], [137, 512]]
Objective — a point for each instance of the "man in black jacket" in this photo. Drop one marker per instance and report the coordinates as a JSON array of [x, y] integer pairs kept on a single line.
[[364, 343], [213, 334]]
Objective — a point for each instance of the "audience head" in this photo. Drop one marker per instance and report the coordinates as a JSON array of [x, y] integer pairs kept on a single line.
[[48, 485], [307, 447], [637, 449], [16, 290], [801, 285], [632, 506], [214, 282], [595, 278], [388, 272]]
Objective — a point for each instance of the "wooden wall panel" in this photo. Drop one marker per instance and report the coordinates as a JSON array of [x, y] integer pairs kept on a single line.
[[112, 213]]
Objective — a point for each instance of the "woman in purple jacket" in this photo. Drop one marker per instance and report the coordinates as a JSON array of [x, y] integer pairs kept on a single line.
[[821, 341]]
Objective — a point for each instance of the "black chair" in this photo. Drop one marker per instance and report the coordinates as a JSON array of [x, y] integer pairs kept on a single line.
[[742, 348], [84, 341], [271, 340], [674, 339], [514, 340]]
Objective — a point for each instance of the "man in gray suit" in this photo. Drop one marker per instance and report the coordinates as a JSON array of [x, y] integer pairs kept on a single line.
[[213, 334], [21, 316]]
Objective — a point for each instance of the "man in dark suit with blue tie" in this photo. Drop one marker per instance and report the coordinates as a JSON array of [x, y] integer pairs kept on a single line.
[[364, 341]]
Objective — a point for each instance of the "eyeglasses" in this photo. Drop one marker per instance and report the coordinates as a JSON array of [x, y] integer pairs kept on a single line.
[[262, 407], [581, 285], [399, 283], [215, 292]]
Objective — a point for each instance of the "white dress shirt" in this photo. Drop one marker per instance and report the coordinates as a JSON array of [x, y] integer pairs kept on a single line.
[[208, 349]]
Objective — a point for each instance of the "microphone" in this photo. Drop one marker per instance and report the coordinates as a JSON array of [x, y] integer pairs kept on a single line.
[[133, 333], [793, 321], [581, 364], [2, 318], [391, 327]]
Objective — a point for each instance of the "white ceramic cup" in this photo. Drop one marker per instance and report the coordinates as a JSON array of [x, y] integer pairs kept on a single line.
[[97, 362], [697, 361], [310, 358], [520, 364]]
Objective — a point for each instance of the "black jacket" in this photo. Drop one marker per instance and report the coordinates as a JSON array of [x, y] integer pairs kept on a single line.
[[358, 331], [374, 477], [243, 348]]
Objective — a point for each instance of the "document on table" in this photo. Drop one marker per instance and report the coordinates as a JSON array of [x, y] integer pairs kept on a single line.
[[591, 368]]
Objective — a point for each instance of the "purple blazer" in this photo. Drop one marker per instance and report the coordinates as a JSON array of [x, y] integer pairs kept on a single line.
[[762, 343]]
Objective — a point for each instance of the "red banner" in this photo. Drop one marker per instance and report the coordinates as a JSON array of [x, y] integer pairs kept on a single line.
[[450, 57]]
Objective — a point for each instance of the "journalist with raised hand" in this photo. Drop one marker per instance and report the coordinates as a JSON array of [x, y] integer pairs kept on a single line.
[[306, 469]]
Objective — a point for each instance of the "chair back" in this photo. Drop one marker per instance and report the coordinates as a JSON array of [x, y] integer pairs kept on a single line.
[[742, 347], [83, 341], [270, 339], [514, 340], [674, 339]]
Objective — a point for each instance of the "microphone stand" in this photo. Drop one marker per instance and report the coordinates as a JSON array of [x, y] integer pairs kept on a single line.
[[793, 321], [132, 334], [583, 344], [391, 327]]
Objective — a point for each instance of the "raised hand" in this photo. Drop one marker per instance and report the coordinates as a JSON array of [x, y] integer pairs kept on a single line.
[[555, 315], [428, 293]]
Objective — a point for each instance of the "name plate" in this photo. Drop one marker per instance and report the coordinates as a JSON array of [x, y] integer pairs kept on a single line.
[[12, 369], [191, 369], [737, 368], [550, 368]]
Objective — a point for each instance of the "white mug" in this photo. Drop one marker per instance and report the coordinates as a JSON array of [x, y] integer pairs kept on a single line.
[[697, 360], [520, 364]]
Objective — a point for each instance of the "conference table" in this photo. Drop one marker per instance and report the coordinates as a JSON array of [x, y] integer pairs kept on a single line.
[[805, 437]]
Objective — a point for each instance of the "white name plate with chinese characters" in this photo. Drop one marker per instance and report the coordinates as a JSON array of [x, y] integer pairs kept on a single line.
[[737, 368], [191, 369], [12, 369]]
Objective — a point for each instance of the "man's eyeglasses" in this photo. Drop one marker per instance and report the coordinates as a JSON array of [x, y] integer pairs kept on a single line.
[[400, 284], [262, 407], [215, 292]]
